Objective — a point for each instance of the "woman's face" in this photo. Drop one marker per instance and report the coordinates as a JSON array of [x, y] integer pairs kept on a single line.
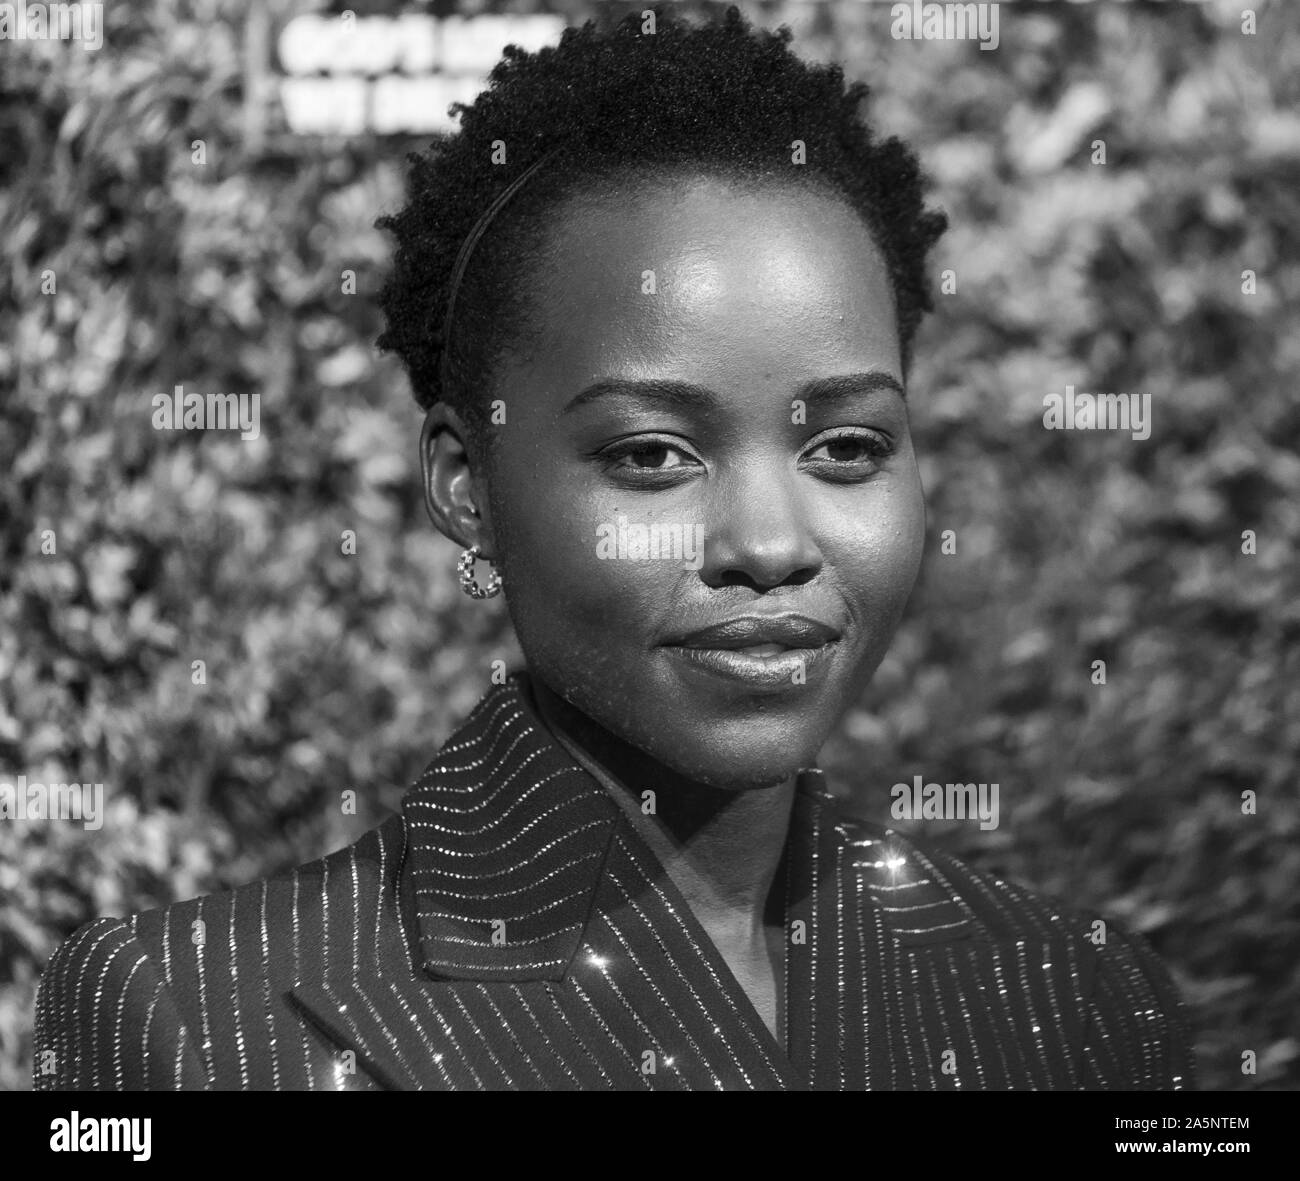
[[725, 361]]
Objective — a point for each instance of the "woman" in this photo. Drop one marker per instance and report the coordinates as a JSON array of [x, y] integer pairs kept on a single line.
[[657, 298]]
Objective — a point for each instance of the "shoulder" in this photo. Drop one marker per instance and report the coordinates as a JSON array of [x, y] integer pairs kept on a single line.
[[184, 996], [97, 986], [1134, 1030], [988, 903]]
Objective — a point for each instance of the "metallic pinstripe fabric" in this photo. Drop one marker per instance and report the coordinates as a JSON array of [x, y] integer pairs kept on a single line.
[[509, 929]]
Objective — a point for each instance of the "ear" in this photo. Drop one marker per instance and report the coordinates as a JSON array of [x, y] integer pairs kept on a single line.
[[455, 492]]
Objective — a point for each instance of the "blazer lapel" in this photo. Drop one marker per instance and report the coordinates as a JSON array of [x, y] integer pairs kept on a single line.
[[506, 837], [412, 1033], [550, 947], [651, 972], [551, 950], [916, 988]]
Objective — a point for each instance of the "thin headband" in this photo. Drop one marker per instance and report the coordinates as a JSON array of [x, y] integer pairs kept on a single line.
[[466, 251]]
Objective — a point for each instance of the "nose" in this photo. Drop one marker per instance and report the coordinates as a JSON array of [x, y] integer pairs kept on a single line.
[[759, 535]]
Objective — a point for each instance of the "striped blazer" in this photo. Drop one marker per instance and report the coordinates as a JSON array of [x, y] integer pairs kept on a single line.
[[510, 929]]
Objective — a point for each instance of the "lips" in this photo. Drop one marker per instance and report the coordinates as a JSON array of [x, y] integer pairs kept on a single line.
[[753, 631], [764, 652]]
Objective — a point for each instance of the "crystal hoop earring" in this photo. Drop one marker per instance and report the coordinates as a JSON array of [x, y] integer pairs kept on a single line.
[[469, 584]]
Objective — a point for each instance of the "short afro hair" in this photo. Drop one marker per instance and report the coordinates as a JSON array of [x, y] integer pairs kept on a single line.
[[719, 97]]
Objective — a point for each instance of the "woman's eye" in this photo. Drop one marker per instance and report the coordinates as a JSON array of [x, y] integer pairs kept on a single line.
[[844, 450], [647, 456], [851, 449], [653, 455]]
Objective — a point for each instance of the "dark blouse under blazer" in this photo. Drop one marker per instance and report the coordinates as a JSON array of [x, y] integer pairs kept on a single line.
[[509, 929]]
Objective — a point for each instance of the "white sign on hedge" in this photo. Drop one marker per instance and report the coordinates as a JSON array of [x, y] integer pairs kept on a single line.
[[351, 75]]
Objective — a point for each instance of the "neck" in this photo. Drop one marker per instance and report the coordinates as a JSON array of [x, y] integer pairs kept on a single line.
[[722, 849]]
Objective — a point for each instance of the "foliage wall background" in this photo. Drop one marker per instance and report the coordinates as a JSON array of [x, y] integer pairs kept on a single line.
[[327, 671]]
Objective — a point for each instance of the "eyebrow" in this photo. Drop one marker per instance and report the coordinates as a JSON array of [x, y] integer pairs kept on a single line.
[[826, 391]]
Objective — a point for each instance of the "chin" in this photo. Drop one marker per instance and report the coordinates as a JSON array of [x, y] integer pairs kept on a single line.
[[736, 761]]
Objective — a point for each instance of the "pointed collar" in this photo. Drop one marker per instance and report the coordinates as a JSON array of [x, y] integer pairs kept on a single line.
[[507, 835], [902, 969]]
